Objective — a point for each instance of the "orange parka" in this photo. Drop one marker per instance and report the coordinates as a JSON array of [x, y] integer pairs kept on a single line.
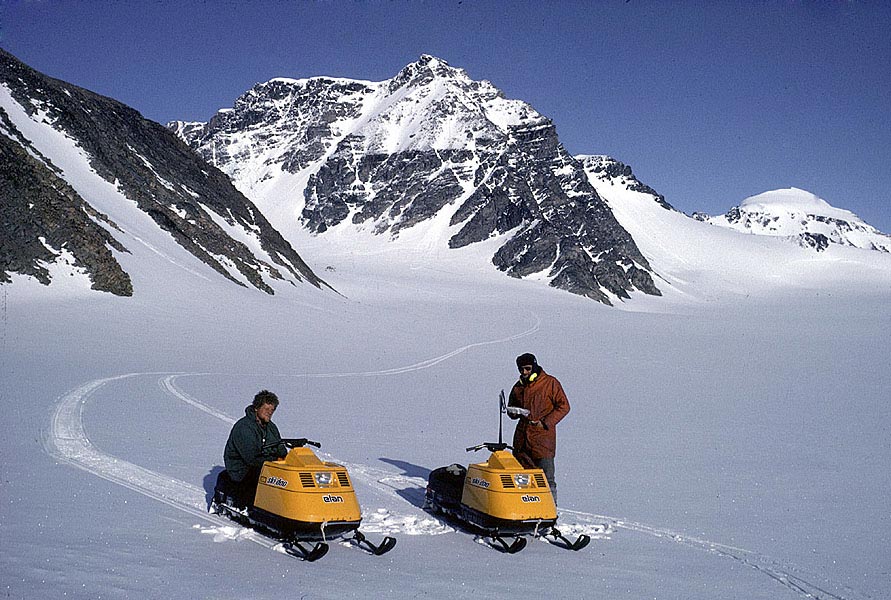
[[544, 398]]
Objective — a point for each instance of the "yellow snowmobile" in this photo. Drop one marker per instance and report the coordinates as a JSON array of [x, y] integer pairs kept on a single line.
[[302, 501], [498, 498]]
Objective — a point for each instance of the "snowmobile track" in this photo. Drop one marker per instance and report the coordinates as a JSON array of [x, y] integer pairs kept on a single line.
[[67, 441]]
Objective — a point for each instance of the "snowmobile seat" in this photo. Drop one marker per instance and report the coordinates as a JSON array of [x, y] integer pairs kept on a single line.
[[238, 494]]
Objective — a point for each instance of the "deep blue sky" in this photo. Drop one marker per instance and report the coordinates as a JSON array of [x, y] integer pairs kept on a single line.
[[709, 102]]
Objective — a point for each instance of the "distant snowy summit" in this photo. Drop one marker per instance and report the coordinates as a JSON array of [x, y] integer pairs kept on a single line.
[[801, 216], [430, 148]]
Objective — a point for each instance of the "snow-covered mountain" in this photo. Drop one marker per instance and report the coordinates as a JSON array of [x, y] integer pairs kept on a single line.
[[429, 169], [87, 184], [800, 215], [430, 149]]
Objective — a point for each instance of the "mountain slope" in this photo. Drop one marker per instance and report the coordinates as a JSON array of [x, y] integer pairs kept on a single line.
[[321, 154], [700, 262], [43, 120]]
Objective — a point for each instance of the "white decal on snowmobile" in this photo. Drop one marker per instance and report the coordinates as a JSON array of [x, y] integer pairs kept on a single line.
[[479, 482], [330, 498], [276, 482], [529, 498]]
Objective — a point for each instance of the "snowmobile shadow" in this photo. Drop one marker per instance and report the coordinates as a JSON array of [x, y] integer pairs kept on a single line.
[[413, 494], [210, 482], [408, 469]]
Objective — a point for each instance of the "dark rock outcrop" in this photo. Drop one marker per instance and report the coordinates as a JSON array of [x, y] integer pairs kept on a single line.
[[39, 212], [606, 168]]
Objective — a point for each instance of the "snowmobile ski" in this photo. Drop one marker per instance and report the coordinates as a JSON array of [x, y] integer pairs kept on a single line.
[[558, 539], [499, 543], [385, 546], [309, 554]]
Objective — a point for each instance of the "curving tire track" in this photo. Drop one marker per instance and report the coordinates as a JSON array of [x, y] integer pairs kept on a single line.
[[430, 362], [785, 574], [68, 442]]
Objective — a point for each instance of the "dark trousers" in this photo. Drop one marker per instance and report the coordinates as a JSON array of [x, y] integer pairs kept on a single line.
[[242, 492], [547, 465]]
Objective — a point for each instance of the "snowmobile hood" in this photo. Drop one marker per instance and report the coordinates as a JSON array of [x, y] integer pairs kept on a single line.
[[503, 460]]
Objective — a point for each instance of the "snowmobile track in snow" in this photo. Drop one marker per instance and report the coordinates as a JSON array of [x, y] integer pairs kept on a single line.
[[787, 575], [67, 441]]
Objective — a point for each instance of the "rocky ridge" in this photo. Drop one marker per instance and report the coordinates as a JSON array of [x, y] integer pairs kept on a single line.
[[44, 217], [609, 170]]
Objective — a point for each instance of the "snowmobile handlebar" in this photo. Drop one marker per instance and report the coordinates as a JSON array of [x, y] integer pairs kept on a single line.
[[294, 443], [299, 442], [490, 446]]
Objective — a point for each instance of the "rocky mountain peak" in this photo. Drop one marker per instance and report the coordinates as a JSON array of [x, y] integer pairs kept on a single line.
[[430, 142], [423, 71]]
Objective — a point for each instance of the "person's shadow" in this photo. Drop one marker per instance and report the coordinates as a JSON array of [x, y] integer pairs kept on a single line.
[[414, 494], [210, 482]]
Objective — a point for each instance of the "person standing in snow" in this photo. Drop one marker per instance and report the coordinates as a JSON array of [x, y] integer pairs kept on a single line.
[[253, 440], [537, 400]]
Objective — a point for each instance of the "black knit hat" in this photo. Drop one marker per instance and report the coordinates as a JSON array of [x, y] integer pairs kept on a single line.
[[526, 359]]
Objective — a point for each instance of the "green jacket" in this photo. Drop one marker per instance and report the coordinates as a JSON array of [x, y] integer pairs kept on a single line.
[[244, 448]]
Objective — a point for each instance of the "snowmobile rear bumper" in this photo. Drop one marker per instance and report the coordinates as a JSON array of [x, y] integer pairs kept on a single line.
[[287, 529], [493, 525]]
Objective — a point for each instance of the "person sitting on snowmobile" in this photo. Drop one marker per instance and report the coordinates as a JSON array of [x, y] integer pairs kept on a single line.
[[253, 440], [538, 401]]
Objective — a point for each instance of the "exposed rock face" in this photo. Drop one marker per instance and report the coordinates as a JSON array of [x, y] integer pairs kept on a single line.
[[289, 122], [150, 166], [395, 154], [563, 226], [39, 212]]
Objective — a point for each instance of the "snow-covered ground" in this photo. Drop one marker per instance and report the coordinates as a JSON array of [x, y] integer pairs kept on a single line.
[[728, 440]]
